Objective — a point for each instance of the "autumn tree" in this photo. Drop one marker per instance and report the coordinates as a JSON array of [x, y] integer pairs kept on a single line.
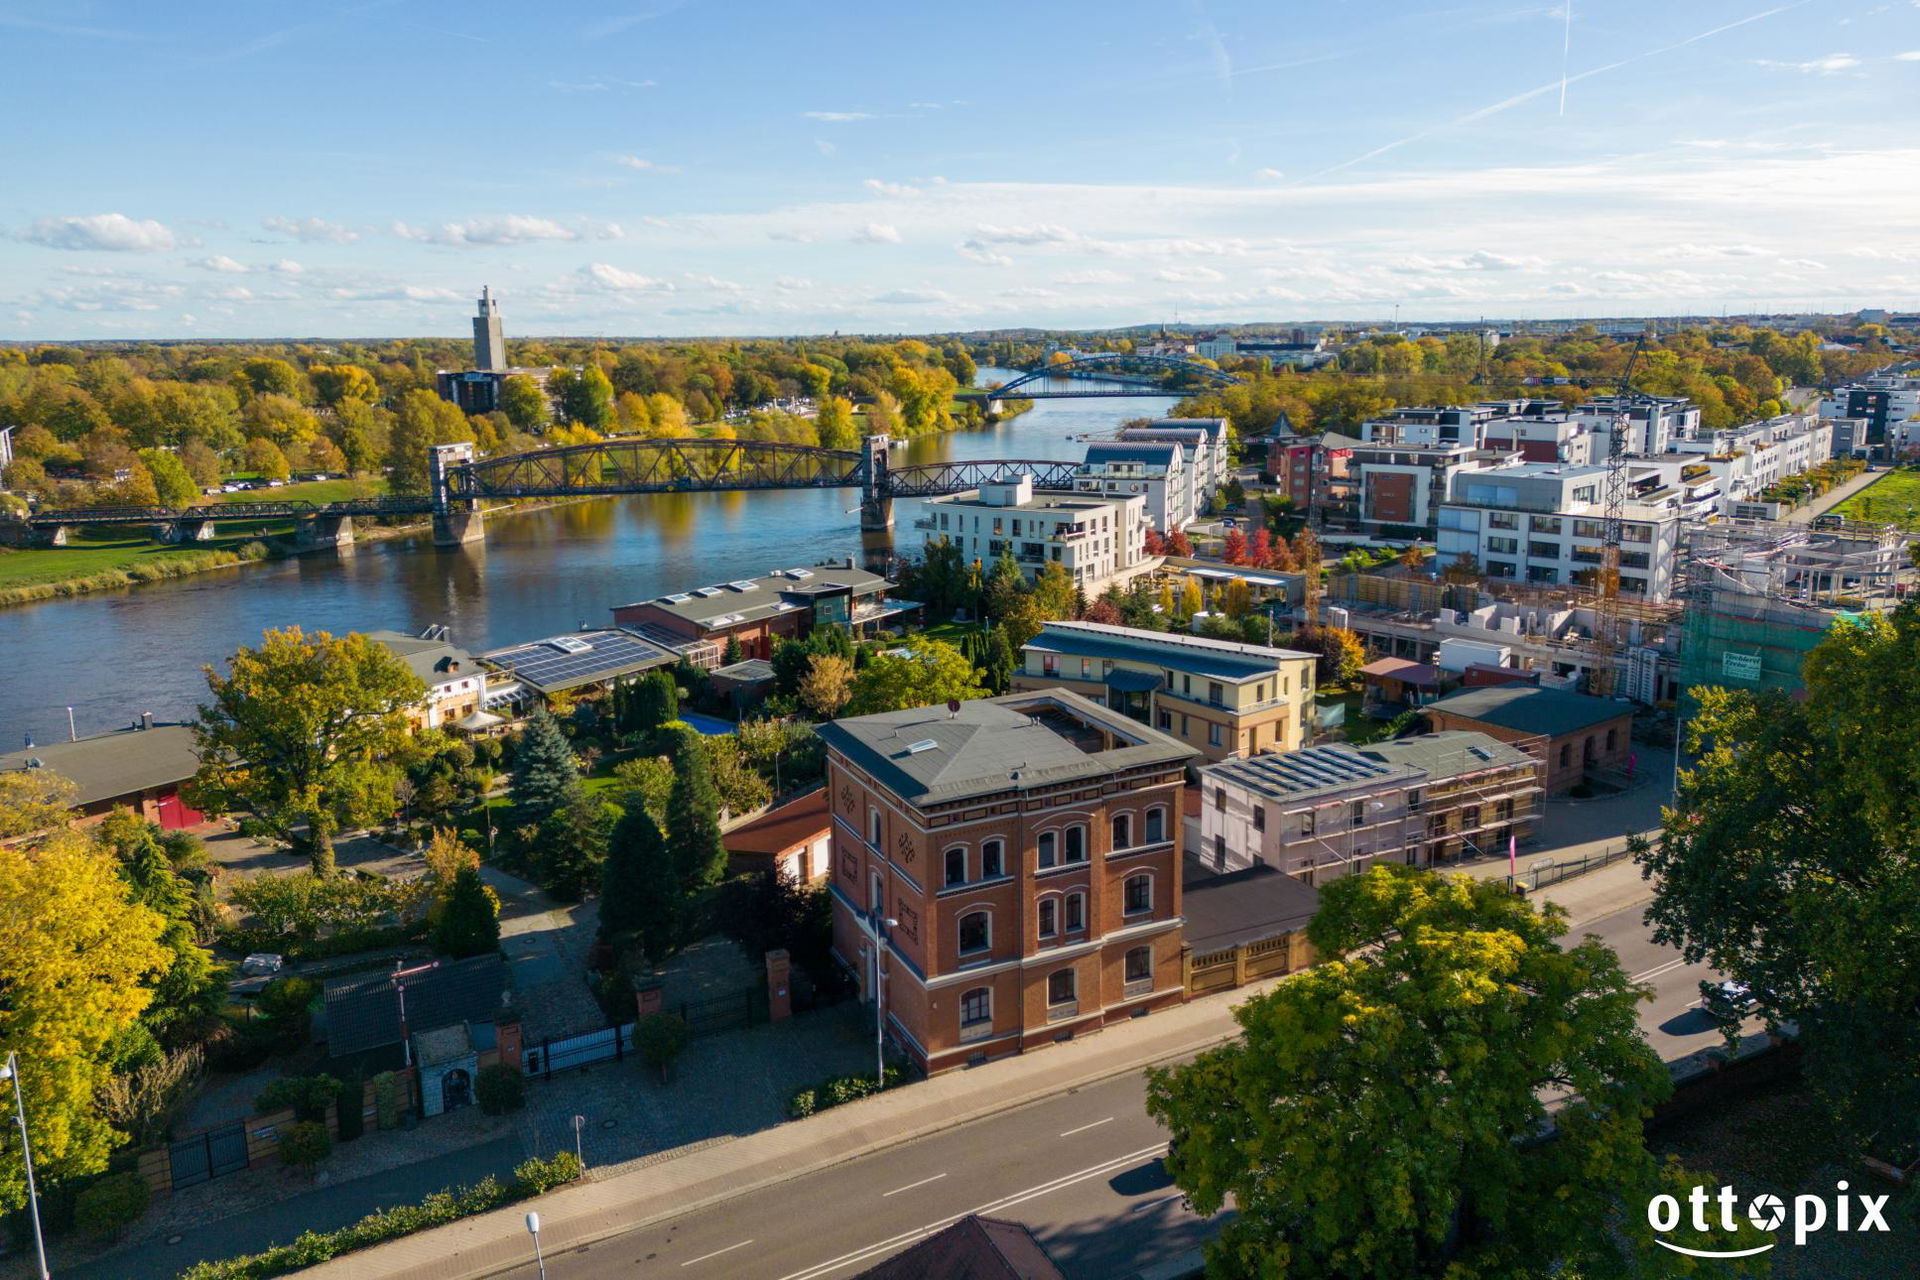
[[1178, 544], [1376, 1116], [422, 421], [307, 731], [927, 671], [264, 458], [836, 426], [1054, 592], [171, 482], [826, 686], [1234, 547], [524, 403]]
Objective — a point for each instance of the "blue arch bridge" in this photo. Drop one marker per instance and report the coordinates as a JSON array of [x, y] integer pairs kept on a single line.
[[461, 485]]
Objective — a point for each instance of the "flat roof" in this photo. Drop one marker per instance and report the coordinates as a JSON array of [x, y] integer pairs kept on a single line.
[[1199, 655], [106, 766], [1310, 771], [720, 605], [1449, 754], [1531, 709], [930, 756], [1405, 670], [1238, 907], [582, 657]]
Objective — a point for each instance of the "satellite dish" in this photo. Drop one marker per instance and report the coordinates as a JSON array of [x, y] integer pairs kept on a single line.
[[953, 707]]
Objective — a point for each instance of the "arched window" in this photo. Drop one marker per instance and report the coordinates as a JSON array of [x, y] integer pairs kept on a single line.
[[1076, 912], [1049, 917], [1076, 844], [990, 856], [873, 827], [1566, 754], [1156, 825], [1062, 986], [1048, 843], [1122, 831], [976, 1008], [976, 932], [1611, 738], [1140, 964], [1139, 894], [956, 866]]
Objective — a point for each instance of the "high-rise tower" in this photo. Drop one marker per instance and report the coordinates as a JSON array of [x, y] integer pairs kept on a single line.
[[489, 344]]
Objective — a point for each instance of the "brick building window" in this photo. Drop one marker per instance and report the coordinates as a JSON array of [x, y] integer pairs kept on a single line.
[[1049, 917], [1139, 894], [990, 855], [1156, 825], [1062, 986], [1047, 844], [1123, 828], [976, 932], [976, 1007], [956, 867], [1140, 964], [1076, 912], [1076, 844]]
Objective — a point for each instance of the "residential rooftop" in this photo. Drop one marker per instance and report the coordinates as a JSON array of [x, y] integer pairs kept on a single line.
[[1311, 772], [1199, 655], [728, 604], [105, 766], [1531, 709], [433, 658], [1452, 753], [929, 755], [780, 829], [582, 657]]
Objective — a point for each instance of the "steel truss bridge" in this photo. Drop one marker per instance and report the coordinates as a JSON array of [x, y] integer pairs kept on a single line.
[[462, 484], [1117, 366]]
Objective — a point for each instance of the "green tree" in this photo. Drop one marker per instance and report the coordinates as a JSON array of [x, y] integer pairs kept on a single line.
[[422, 421], [587, 398], [1374, 1117], [1791, 862], [1054, 592], [193, 988], [826, 686], [693, 819], [572, 845], [264, 458], [546, 773], [524, 403], [928, 671], [266, 376], [639, 893], [656, 700], [170, 478], [337, 383], [470, 919], [835, 423], [306, 730]]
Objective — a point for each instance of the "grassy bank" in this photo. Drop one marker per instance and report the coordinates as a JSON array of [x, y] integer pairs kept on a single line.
[[1894, 497], [44, 574], [317, 492]]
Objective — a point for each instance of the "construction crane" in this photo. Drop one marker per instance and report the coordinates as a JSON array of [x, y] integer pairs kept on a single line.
[[1606, 604]]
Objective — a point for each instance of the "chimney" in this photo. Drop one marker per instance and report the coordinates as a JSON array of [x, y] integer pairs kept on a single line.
[[146, 719]]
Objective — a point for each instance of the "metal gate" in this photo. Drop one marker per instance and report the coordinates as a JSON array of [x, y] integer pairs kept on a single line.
[[209, 1155]]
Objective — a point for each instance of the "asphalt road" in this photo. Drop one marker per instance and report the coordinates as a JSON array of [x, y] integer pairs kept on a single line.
[[1082, 1169]]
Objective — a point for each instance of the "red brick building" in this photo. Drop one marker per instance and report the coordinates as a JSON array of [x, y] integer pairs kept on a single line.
[[1574, 736], [1019, 859]]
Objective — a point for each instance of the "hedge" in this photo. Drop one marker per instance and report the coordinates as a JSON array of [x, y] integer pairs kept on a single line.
[[835, 1090], [312, 1248]]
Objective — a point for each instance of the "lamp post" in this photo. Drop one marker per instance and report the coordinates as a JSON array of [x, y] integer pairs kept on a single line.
[[875, 924], [11, 1071], [533, 1229]]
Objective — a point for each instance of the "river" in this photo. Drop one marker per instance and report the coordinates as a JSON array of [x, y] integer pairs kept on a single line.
[[115, 654]]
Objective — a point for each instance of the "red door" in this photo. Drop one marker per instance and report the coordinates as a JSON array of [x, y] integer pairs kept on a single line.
[[174, 813]]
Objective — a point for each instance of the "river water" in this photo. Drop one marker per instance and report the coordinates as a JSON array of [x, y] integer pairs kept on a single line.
[[113, 655]]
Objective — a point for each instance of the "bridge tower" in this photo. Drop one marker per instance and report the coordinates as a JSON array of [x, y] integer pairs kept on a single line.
[[876, 491], [456, 520]]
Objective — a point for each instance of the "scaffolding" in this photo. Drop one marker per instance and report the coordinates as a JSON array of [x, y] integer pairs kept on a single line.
[[1761, 594]]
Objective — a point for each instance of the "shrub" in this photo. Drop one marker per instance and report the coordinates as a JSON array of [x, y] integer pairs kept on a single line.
[[387, 1102], [802, 1104], [536, 1176], [286, 1000], [836, 1090], [501, 1088], [307, 1096], [659, 1038], [305, 1145], [614, 993], [111, 1205]]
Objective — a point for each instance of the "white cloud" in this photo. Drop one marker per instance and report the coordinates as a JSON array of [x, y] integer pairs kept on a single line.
[[115, 232], [643, 165], [896, 189], [792, 284], [791, 234], [513, 229], [1699, 252], [1189, 275], [715, 282], [913, 297], [393, 293], [605, 275], [222, 263], [1483, 260], [878, 233], [1039, 233], [1831, 64], [1098, 275], [312, 230], [1271, 175], [1029, 291], [977, 252], [824, 147], [837, 117], [287, 267], [1911, 55]]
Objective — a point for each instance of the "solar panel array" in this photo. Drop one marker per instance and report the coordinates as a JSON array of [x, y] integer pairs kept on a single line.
[[1309, 770], [554, 664]]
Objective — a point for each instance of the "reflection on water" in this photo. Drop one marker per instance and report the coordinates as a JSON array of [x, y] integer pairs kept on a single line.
[[117, 654]]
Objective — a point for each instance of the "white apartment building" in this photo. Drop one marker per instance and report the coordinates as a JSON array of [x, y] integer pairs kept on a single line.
[[1156, 470], [1544, 523], [1888, 403], [1652, 423], [1431, 427], [1203, 440], [1099, 540]]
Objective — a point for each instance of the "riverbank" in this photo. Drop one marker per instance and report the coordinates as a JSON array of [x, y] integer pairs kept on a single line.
[[27, 575]]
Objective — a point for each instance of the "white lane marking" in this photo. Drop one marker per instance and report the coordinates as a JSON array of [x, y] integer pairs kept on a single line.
[[716, 1253], [911, 1185], [1019, 1197], [1083, 1128], [1657, 970], [1155, 1204]]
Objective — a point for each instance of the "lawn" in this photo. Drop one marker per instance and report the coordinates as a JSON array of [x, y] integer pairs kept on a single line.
[[83, 558], [315, 491], [1895, 496]]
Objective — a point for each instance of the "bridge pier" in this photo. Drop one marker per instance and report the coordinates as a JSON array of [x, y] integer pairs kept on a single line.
[[876, 515], [319, 533], [876, 490], [456, 528], [54, 537]]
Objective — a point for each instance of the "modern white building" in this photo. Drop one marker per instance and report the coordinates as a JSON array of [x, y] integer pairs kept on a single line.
[[1099, 540], [1652, 423], [1544, 523], [1155, 469], [1203, 440], [1431, 427], [1888, 404]]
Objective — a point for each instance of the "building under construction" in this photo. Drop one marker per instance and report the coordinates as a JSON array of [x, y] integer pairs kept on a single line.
[[1759, 595]]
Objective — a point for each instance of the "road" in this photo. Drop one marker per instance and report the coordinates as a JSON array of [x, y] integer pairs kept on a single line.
[[1081, 1169]]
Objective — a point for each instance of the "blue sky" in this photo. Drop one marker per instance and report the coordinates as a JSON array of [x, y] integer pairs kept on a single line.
[[263, 169]]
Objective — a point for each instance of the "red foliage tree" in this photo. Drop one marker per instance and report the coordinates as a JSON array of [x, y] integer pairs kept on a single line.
[[1105, 613], [1235, 550], [1260, 548], [1177, 544], [1155, 544]]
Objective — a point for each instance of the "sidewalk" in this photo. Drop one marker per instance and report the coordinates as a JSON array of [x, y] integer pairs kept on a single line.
[[1833, 497], [594, 1211]]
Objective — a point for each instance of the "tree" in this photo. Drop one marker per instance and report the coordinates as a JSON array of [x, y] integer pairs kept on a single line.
[[171, 481], [78, 959], [265, 376], [265, 459], [1234, 548], [654, 701], [1791, 862], [323, 455], [189, 994], [304, 1145], [1260, 548], [1054, 592], [1341, 655], [826, 686], [1178, 544], [928, 671], [422, 421], [1374, 1117], [639, 892], [546, 773], [306, 730], [335, 384], [469, 920], [524, 403], [1153, 544], [587, 398], [694, 847], [1106, 613], [659, 1039], [835, 424], [1239, 599], [572, 845], [1190, 601]]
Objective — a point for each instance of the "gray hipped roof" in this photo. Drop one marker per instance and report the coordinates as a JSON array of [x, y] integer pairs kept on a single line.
[[364, 1012], [1530, 709]]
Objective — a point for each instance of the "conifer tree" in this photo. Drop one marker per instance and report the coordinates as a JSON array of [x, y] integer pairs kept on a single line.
[[545, 770], [639, 894], [698, 858], [470, 921]]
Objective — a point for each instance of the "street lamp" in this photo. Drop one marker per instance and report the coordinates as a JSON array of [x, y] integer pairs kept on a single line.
[[533, 1229], [11, 1071], [874, 925]]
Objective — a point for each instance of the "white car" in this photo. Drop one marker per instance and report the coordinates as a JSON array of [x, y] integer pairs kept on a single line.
[[261, 964]]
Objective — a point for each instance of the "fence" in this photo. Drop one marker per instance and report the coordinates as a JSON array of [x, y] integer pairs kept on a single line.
[[1244, 962], [727, 1012], [1546, 871]]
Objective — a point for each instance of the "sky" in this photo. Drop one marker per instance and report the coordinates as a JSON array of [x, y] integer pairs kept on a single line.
[[208, 168]]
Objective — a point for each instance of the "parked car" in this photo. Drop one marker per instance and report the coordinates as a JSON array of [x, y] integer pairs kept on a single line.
[[261, 964], [1726, 1000]]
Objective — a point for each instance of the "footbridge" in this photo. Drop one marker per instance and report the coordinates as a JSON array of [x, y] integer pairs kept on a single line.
[[460, 485]]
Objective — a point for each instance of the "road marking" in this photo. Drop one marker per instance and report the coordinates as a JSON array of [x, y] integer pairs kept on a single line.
[[911, 1185], [1155, 1204], [1657, 970], [716, 1253], [1083, 1128], [1007, 1202]]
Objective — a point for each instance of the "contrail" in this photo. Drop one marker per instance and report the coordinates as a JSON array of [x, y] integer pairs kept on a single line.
[[1566, 51], [1507, 104]]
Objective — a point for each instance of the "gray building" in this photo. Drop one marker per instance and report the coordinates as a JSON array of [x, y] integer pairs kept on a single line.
[[489, 342]]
